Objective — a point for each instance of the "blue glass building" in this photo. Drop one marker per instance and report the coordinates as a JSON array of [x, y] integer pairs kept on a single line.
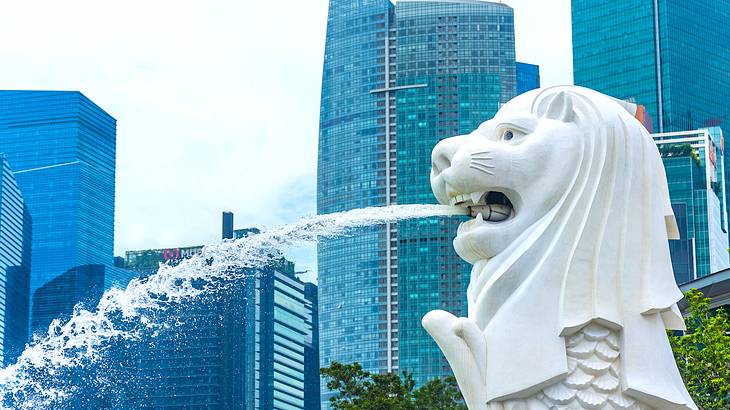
[[79, 285], [62, 149], [668, 55], [15, 251], [251, 345], [397, 79], [356, 169], [528, 77], [312, 395]]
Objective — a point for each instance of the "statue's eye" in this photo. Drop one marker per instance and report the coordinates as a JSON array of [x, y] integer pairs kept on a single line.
[[508, 135]]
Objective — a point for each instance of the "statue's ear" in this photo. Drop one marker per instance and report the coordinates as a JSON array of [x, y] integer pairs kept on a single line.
[[561, 107]]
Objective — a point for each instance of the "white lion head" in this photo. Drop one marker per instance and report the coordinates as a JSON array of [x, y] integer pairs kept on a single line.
[[571, 220]]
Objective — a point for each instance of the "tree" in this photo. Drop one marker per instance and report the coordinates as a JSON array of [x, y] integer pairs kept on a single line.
[[441, 394], [703, 353], [357, 389]]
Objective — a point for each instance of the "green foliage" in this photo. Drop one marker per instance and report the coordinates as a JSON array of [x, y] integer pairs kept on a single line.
[[439, 394], [357, 389], [703, 353], [675, 150], [679, 150]]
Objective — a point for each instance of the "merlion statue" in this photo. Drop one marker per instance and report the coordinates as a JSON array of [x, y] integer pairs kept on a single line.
[[572, 285]]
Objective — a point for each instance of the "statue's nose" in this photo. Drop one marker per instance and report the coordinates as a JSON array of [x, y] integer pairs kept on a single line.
[[443, 154]]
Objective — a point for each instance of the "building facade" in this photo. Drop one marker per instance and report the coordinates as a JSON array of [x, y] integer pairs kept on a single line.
[[15, 255], [148, 261], [62, 149], [79, 285], [695, 168], [312, 395], [668, 55], [250, 345], [528, 77], [397, 79], [245, 347]]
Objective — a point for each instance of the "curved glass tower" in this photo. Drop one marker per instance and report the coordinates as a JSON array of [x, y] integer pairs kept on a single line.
[[397, 79], [455, 67], [355, 165]]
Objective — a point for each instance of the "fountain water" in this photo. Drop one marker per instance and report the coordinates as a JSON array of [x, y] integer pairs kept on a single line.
[[41, 378]]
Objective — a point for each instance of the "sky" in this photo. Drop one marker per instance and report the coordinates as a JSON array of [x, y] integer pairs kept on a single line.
[[216, 102]]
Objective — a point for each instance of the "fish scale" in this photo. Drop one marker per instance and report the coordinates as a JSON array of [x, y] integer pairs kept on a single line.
[[593, 381]]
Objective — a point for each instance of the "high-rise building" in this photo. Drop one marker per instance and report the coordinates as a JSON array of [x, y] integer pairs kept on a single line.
[[251, 345], [147, 262], [670, 56], [79, 285], [528, 77], [15, 251], [62, 149], [312, 394], [245, 347], [227, 225], [695, 170], [397, 79]]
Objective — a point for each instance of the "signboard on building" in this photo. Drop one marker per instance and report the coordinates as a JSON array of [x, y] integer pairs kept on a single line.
[[152, 258]]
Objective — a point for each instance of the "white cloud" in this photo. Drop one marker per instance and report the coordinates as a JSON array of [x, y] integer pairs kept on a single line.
[[217, 101]]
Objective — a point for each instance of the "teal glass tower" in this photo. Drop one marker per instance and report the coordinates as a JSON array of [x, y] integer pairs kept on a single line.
[[696, 172], [668, 55], [455, 67], [62, 149], [397, 79], [15, 248]]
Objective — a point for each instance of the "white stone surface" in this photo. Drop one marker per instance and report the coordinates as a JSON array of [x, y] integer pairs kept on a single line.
[[578, 275]]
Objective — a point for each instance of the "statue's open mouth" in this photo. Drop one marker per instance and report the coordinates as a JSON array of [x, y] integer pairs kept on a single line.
[[493, 206]]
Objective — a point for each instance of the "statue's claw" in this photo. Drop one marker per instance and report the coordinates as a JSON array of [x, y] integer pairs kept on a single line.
[[464, 346]]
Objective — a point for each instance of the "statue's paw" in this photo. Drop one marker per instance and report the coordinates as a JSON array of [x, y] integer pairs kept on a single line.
[[439, 324], [464, 346]]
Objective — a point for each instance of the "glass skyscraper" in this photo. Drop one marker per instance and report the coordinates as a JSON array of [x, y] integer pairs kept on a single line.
[[62, 148], [15, 248], [250, 345], [312, 395], [79, 285], [398, 79], [695, 172], [357, 169], [669, 55], [528, 77]]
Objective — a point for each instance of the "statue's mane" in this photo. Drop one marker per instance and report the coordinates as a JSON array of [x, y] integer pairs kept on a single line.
[[600, 255]]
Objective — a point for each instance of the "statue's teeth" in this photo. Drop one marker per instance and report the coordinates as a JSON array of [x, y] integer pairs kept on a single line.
[[476, 197], [480, 217]]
